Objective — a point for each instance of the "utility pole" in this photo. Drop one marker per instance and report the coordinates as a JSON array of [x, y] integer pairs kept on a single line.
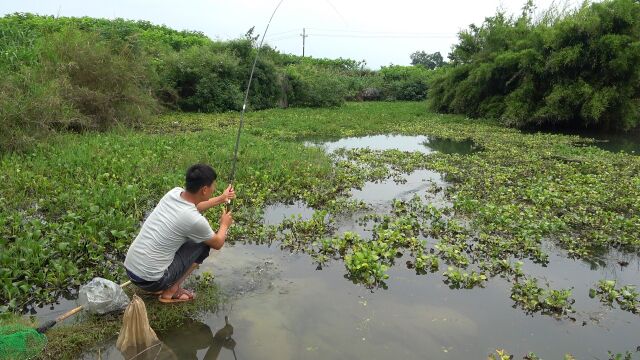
[[304, 36]]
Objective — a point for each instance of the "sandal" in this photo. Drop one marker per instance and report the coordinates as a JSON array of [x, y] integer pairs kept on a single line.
[[178, 297]]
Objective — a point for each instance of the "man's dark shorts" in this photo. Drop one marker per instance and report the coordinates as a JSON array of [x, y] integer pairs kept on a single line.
[[190, 252]]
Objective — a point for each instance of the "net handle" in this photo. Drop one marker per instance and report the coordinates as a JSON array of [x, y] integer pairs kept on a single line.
[[51, 323]]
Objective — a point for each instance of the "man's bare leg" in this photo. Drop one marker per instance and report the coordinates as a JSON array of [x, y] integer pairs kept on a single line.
[[168, 293]]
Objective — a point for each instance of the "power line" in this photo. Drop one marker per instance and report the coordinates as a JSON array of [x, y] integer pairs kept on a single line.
[[337, 12], [283, 38], [384, 36], [367, 32], [284, 32]]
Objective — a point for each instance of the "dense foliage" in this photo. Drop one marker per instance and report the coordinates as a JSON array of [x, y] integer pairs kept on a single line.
[[312, 86], [572, 69], [85, 73], [405, 82]]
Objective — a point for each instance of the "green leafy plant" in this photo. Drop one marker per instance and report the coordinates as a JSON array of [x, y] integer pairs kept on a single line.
[[457, 278], [626, 296], [533, 298]]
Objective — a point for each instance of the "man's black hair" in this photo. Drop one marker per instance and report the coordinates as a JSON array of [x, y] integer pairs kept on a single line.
[[199, 175]]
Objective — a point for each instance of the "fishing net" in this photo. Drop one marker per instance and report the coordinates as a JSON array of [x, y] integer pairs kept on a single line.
[[19, 342], [101, 296], [137, 340]]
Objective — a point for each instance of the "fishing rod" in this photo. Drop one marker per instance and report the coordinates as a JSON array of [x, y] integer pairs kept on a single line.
[[244, 104]]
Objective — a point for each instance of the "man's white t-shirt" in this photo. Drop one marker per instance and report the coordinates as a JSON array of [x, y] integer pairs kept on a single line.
[[173, 221]]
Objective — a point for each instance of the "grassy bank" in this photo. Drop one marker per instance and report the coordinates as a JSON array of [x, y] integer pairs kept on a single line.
[[69, 340]]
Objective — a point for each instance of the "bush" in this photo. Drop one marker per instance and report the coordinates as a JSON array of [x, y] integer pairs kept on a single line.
[[311, 86], [364, 85], [31, 106], [106, 82], [74, 80], [576, 69], [204, 80], [265, 87], [405, 82], [92, 74]]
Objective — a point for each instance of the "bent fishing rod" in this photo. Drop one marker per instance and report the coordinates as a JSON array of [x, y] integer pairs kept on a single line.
[[244, 104]]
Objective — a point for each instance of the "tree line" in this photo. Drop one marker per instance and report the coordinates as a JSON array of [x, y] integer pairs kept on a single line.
[[576, 69], [92, 74]]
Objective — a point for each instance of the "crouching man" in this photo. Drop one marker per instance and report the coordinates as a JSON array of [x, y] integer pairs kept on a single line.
[[176, 238]]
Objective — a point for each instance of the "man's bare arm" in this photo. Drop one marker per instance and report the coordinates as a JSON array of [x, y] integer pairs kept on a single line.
[[208, 204], [228, 194], [217, 241]]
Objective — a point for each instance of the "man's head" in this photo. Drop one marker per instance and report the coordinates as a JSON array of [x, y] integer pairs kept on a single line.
[[201, 181]]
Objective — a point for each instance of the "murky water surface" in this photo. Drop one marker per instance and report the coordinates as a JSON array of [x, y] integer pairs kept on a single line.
[[281, 307], [613, 142], [628, 143]]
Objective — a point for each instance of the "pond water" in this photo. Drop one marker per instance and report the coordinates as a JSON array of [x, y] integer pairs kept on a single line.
[[613, 142], [628, 143], [281, 307], [424, 144]]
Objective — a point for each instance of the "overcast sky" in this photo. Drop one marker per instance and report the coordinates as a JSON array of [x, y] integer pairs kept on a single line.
[[380, 32]]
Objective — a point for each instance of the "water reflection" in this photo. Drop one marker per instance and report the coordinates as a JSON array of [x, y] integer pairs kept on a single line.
[[200, 338], [448, 146], [420, 143], [174, 343], [379, 142], [609, 141], [275, 213]]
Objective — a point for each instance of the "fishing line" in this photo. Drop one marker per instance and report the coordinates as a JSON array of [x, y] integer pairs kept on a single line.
[[246, 97]]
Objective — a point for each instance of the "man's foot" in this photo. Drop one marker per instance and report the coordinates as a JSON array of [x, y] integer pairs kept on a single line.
[[181, 295]]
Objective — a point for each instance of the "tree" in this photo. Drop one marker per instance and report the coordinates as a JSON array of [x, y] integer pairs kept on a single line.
[[430, 61], [572, 69]]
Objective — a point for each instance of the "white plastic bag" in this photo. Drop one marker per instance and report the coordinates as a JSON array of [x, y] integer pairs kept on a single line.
[[101, 296]]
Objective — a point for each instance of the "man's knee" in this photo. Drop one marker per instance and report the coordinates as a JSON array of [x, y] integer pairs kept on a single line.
[[204, 252]]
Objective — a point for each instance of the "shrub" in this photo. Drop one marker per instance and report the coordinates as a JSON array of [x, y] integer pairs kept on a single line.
[[265, 87], [311, 86], [31, 106], [74, 80], [106, 82], [364, 85], [204, 80], [405, 82]]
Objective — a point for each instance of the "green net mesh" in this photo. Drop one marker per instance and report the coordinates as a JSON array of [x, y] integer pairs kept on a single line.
[[19, 342]]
